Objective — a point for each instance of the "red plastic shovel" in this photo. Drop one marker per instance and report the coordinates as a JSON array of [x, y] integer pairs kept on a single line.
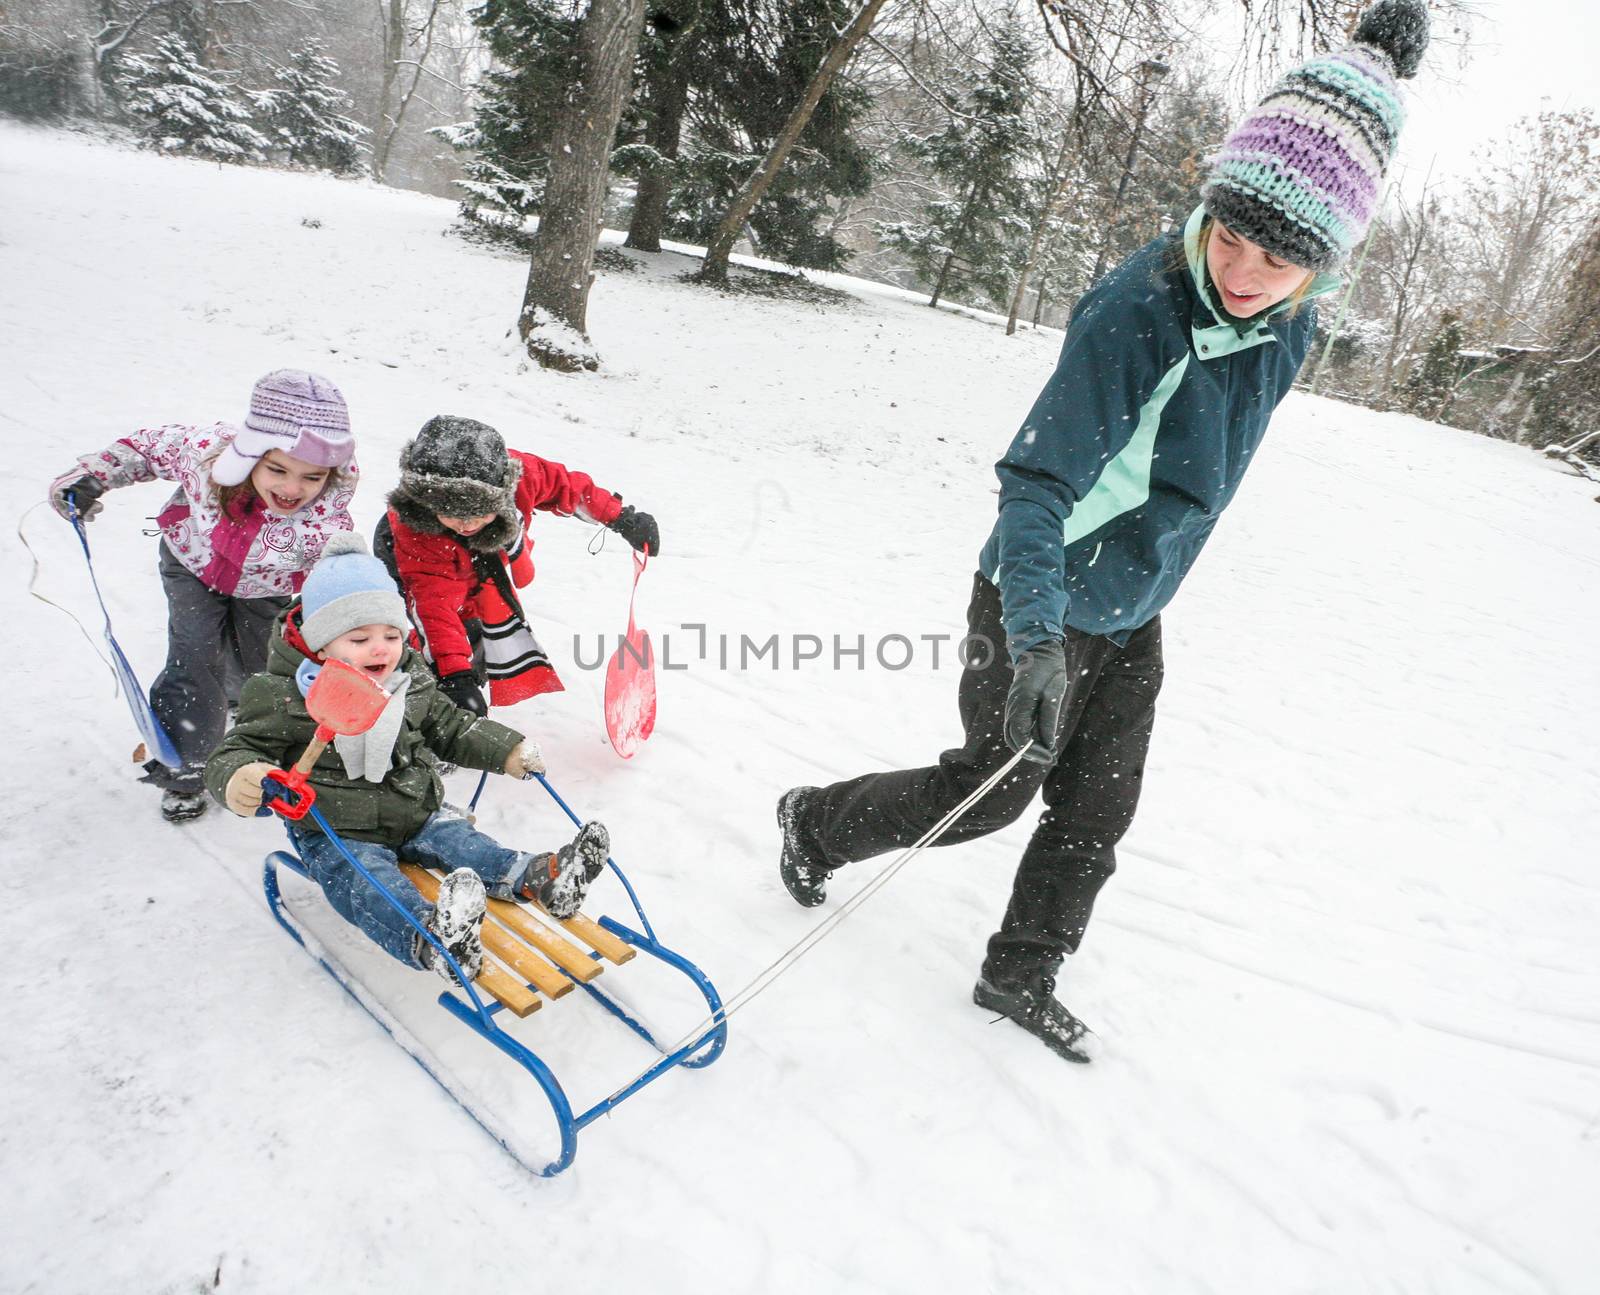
[[342, 700], [631, 683]]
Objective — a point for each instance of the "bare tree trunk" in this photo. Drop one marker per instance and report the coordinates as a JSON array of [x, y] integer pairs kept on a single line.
[[394, 45], [1037, 241], [1021, 289], [655, 185], [715, 269], [553, 324], [944, 275], [394, 42], [1038, 304], [973, 199], [649, 211], [87, 90]]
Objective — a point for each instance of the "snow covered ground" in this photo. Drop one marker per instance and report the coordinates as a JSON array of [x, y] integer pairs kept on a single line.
[[1347, 976]]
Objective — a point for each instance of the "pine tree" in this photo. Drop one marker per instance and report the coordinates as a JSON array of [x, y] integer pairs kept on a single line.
[[1431, 385], [652, 127], [303, 113], [714, 82], [970, 235], [181, 107], [534, 47], [750, 62]]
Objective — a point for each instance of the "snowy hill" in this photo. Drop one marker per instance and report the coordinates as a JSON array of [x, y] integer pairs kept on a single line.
[[1346, 976]]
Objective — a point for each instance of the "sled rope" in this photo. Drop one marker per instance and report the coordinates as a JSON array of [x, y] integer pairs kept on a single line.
[[33, 580], [816, 934]]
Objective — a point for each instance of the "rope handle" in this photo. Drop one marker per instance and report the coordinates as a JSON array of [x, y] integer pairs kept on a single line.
[[822, 929]]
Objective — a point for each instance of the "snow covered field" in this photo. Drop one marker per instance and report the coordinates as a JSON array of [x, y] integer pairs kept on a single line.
[[1347, 976]]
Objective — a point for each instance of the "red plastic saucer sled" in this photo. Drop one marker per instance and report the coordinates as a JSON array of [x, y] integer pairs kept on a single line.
[[631, 683]]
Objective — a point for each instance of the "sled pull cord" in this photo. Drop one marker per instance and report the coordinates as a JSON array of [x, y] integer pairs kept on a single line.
[[815, 935], [157, 741], [33, 581]]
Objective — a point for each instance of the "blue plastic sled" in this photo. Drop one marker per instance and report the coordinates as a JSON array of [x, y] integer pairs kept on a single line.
[[476, 1016]]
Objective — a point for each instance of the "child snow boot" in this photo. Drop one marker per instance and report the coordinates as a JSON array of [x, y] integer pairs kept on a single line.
[[181, 806], [803, 874], [559, 881], [1032, 1005], [457, 917]]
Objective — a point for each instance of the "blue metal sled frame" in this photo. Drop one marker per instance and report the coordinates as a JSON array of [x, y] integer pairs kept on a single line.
[[701, 1051]]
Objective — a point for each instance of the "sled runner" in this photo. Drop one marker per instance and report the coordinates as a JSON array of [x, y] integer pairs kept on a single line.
[[531, 957]]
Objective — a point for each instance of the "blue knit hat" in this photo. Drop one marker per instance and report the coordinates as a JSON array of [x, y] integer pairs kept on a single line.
[[347, 588]]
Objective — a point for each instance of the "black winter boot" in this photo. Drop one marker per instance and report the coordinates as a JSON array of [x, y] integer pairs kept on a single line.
[[1032, 1005], [182, 806], [560, 881], [804, 875]]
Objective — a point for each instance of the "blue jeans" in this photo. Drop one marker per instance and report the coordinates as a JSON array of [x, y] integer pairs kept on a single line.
[[445, 841]]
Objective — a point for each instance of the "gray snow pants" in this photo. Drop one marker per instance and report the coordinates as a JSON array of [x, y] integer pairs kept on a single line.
[[1090, 793], [214, 643]]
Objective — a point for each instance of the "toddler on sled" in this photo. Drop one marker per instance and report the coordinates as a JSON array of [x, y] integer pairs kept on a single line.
[[380, 790]]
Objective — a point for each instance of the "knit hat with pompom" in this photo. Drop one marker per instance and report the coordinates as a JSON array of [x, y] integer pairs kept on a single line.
[[1299, 176], [347, 588]]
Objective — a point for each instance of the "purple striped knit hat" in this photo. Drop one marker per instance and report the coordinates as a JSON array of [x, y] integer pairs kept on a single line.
[[299, 413], [1299, 175]]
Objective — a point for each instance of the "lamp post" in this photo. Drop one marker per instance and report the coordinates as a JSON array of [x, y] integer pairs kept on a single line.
[[1148, 72]]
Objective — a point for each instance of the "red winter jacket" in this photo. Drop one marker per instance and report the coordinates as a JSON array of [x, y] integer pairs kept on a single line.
[[436, 572]]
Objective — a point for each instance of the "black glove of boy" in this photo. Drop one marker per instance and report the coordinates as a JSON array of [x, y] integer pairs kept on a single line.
[[85, 494], [463, 689], [1033, 706], [639, 529]]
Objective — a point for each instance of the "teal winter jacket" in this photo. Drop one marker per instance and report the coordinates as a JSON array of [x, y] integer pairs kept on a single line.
[[1135, 446]]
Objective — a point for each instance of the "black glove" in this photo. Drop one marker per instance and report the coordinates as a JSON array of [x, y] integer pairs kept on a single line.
[[85, 494], [1033, 706], [463, 689], [639, 529]]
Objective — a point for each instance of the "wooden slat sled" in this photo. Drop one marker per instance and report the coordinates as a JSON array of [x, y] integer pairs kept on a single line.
[[527, 951], [530, 957]]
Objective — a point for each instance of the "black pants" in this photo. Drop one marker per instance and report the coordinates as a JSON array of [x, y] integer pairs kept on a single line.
[[1090, 793], [214, 643]]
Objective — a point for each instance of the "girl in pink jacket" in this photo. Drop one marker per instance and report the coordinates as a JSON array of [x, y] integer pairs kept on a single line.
[[253, 507]]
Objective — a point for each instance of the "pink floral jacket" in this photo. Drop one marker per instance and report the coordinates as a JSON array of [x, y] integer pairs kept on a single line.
[[246, 551]]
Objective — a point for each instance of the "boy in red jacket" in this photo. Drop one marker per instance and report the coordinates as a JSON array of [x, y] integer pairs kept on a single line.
[[456, 539]]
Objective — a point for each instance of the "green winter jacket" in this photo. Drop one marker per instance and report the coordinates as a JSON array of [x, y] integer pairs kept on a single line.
[[273, 725]]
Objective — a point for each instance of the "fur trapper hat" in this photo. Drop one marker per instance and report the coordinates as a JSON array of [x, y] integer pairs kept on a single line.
[[456, 467]]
